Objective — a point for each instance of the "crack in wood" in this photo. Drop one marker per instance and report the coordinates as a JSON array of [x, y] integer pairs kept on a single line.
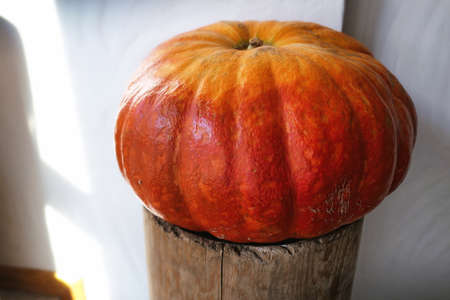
[[288, 250], [221, 273]]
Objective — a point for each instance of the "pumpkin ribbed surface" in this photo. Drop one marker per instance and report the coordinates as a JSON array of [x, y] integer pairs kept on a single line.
[[289, 138]]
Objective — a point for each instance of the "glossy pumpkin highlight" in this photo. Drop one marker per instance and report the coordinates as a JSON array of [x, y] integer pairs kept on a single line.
[[292, 137]]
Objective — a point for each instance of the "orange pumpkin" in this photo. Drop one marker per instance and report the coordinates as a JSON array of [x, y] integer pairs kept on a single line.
[[263, 131]]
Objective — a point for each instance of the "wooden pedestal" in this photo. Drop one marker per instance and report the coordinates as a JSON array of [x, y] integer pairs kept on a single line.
[[184, 265]]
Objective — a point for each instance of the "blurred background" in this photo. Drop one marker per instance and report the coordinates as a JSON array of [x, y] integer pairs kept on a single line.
[[64, 206]]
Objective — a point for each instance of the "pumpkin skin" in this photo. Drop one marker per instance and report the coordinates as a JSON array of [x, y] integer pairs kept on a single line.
[[291, 139]]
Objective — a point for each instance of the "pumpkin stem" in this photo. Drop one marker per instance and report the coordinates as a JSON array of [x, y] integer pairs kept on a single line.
[[254, 43]]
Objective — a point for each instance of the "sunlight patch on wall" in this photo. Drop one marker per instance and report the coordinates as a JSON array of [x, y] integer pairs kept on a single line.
[[55, 119], [77, 256]]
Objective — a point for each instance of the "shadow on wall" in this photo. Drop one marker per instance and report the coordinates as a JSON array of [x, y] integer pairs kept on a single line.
[[405, 249], [23, 231], [41, 211]]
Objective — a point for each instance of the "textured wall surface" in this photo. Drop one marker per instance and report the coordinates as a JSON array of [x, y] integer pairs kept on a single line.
[[64, 204], [405, 250]]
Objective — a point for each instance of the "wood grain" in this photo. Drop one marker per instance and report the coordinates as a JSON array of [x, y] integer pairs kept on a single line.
[[187, 265]]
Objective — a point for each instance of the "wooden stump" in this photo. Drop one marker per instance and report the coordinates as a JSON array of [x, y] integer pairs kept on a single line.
[[185, 265]]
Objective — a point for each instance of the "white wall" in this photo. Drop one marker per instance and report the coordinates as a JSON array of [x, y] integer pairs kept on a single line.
[[64, 204], [405, 250]]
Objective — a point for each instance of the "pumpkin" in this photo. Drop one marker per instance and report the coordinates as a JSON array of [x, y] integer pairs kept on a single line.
[[264, 131]]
